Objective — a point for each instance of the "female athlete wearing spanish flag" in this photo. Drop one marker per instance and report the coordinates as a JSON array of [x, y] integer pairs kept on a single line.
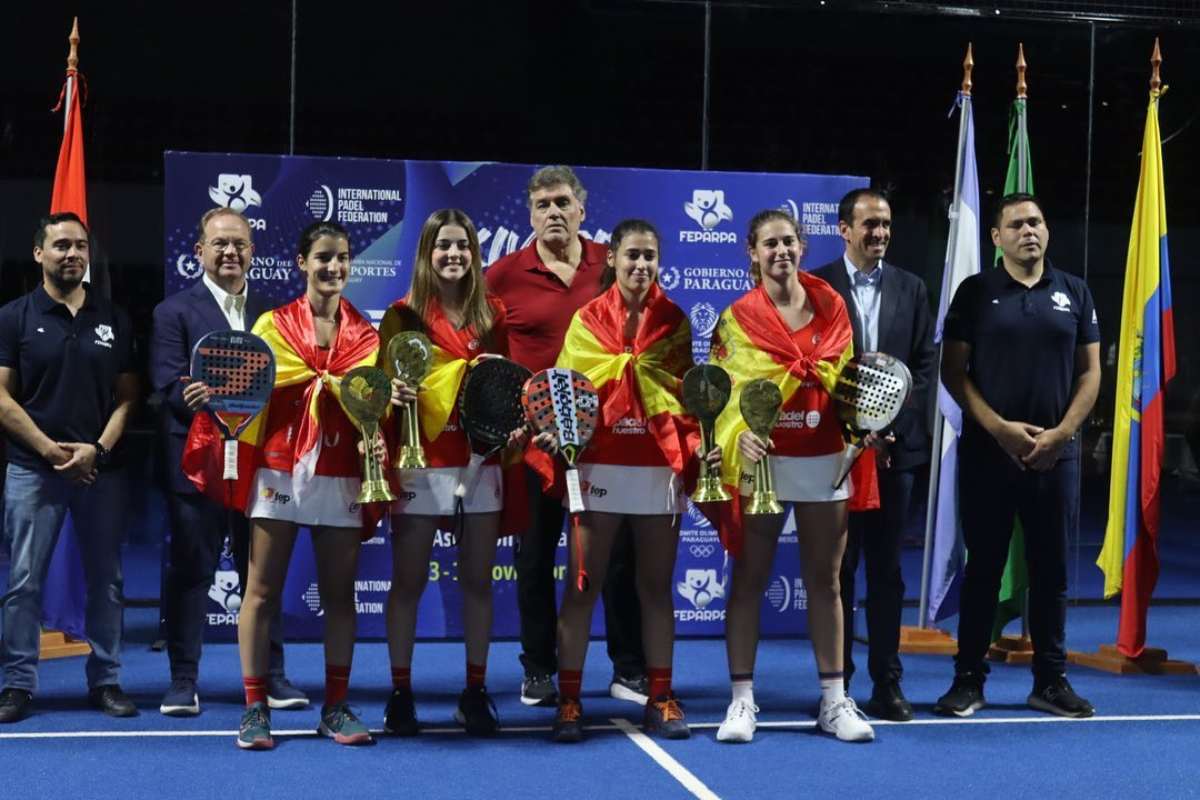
[[634, 344], [305, 470], [447, 302], [792, 329]]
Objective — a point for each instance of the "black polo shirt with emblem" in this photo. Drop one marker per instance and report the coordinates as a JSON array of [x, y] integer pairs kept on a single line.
[[1023, 342], [66, 367]]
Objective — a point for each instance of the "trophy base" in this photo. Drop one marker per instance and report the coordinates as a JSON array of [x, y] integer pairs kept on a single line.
[[762, 503], [411, 458], [710, 490], [375, 491]]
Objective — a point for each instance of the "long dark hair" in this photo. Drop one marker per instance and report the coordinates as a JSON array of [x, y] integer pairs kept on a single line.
[[625, 228], [477, 313]]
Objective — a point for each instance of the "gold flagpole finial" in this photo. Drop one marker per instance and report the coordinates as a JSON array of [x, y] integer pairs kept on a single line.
[[968, 65], [1155, 63], [1022, 87], [73, 56]]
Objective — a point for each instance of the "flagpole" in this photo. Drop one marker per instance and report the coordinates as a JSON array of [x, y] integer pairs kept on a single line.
[[935, 461], [72, 70]]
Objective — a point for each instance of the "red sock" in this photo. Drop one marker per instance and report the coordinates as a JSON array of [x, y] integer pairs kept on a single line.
[[660, 681], [337, 681], [256, 690], [476, 675], [570, 681], [402, 678]]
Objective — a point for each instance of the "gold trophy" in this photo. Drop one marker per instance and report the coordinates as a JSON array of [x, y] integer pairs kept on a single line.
[[366, 393], [706, 390], [760, 404], [409, 355]]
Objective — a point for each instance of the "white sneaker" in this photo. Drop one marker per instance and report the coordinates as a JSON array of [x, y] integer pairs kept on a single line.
[[739, 722], [845, 721]]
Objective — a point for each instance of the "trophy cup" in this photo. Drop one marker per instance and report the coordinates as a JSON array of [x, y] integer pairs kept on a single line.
[[706, 390], [366, 392], [760, 404], [409, 355]]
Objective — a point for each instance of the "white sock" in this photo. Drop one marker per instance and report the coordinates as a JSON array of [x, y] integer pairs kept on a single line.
[[833, 690], [743, 690]]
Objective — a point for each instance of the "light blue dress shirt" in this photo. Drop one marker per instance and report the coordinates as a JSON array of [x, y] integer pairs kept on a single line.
[[864, 288]]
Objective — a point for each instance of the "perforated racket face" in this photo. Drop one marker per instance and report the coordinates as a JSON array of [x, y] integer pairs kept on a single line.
[[366, 392], [706, 389], [871, 391], [409, 356], [490, 404], [238, 368], [562, 402], [759, 405]]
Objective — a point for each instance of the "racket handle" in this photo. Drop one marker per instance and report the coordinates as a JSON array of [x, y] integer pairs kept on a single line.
[[231, 459], [849, 457], [469, 476], [574, 491]]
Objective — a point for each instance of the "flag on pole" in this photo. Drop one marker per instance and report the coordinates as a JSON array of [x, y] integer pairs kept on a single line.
[[64, 601], [962, 260], [1019, 178], [1145, 363]]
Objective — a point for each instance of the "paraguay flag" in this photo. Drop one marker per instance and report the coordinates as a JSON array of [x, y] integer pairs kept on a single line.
[[962, 259], [1146, 361]]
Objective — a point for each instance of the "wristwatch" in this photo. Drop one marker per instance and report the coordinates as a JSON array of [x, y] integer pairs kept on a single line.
[[103, 454]]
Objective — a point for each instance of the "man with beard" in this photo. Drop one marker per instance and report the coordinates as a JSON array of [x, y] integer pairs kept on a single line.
[[220, 301], [889, 310], [67, 389], [542, 285]]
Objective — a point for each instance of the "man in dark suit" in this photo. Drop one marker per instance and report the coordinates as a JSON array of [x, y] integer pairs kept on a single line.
[[220, 300], [889, 310]]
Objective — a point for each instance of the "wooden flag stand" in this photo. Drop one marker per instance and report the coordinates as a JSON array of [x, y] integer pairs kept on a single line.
[[56, 644], [927, 641], [1152, 661], [1009, 649]]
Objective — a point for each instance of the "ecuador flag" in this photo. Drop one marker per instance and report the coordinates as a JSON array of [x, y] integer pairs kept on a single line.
[[1146, 361]]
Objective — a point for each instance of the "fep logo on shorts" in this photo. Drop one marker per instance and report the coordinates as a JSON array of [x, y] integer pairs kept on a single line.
[[234, 192]]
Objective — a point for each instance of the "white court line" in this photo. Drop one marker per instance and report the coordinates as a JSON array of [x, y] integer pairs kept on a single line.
[[623, 725], [673, 767]]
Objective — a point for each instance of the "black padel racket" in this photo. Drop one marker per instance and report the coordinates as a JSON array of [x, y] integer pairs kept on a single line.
[[564, 403], [490, 409], [239, 370], [870, 394]]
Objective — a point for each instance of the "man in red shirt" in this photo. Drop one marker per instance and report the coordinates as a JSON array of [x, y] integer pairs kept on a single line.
[[542, 286]]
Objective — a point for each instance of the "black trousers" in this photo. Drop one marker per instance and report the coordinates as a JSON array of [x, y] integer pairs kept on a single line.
[[198, 530], [536, 586], [875, 538], [992, 492]]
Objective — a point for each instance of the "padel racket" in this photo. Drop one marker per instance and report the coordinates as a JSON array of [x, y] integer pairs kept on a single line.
[[563, 402], [239, 370], [870, 393], [490, 409]]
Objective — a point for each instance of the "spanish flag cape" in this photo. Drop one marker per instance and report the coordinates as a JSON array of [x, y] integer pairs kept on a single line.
[[440, 389], [752, 341], [290, 333], [646, 381]]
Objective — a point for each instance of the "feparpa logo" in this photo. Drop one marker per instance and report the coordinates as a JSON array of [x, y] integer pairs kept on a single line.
[[704, 319], [700, 587], [188, 267], [234, 192], [708, 208], [668, 278], [1061, 301]]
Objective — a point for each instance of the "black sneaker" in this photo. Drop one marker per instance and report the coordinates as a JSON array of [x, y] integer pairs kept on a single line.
[[15, 705], [181, 700], [964, 698], [1057, 697], [112, 701], [476, 712], [568, 722], [888, 702], [538, 690], [664, 716], [281, 695], [635, 689], [400, 718]]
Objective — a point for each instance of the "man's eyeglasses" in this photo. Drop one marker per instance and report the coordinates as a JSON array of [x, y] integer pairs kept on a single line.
[[240, 245]]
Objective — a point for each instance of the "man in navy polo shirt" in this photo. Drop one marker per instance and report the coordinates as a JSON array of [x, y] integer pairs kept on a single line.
[[1022, 358], [67, 389]]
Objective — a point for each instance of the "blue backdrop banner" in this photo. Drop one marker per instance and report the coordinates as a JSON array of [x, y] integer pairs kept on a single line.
[[702, 217]]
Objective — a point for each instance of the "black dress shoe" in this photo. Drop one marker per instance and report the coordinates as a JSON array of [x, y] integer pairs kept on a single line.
[[888, 702], [15, 705], [112, 701]]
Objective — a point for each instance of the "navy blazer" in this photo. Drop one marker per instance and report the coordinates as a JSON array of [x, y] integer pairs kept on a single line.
[[906, 332], [179, 322]]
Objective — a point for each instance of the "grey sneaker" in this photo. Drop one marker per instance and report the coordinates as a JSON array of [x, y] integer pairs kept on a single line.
[[342, 725], [282, 696], [635, 690], [254, 732]]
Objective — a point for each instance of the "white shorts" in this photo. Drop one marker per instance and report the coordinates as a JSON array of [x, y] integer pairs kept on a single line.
[[618, 489], [431, 491], [804, 479], [327, 500]]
